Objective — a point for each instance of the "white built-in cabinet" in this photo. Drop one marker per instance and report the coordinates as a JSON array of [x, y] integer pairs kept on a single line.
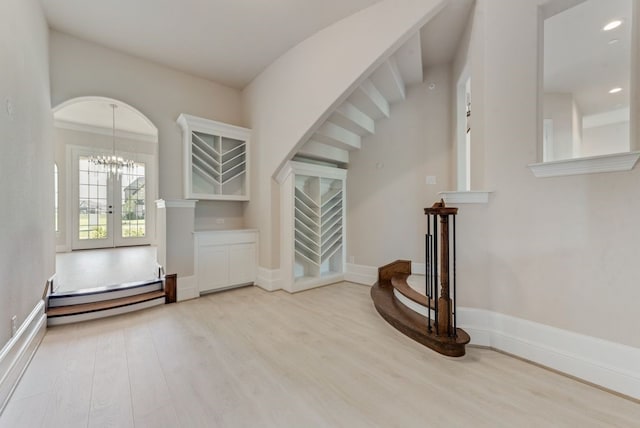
[[225, 258], [216, 159], [314, 214]]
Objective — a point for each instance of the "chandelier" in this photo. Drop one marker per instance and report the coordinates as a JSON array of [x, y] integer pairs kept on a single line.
[[112, 163]]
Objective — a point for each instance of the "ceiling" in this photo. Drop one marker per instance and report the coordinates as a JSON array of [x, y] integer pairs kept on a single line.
[[579, 58], [228, 41]]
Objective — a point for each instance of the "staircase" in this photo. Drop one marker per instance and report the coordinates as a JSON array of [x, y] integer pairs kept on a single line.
[[88, 304], [408, 311], [356, 118]]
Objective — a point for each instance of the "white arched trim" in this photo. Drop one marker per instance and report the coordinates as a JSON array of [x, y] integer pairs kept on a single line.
[[119, 103]]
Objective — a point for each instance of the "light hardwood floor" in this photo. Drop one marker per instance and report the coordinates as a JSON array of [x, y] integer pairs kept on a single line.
[[78, 270], [321, 358]]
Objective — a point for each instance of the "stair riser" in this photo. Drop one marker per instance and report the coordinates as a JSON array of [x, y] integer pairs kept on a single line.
[[57, 301], [68, 319], [415, 307]]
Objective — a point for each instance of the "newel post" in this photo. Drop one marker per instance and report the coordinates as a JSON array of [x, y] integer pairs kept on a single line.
[[440, 271]]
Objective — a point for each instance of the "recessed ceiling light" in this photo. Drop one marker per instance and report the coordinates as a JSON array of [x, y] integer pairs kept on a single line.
[[613, 24], [613, 41], [615, 90]]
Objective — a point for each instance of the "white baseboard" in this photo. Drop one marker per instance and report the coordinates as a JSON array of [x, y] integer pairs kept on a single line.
[[16, 354], [418, 268], [269, 279], [608, 364], [303, 284], [368, 275], [187, 288], [62, 249], [361, 274]]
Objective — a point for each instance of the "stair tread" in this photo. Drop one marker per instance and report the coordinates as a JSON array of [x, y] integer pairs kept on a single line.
[[399, 282], [412, 324], [104, 304], [105, 289]]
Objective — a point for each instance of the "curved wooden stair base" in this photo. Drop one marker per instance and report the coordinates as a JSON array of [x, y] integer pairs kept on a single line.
[[407, 321]]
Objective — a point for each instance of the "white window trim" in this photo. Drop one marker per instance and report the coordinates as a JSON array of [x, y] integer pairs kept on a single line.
[[587, 165]]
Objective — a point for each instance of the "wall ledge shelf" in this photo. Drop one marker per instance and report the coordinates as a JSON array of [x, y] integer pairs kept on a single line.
[[589, 165], [465, 197]]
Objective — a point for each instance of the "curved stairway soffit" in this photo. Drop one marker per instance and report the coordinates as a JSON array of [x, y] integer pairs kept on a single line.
[[375, 58]]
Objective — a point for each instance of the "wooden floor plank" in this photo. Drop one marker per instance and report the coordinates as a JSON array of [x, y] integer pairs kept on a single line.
[[323, 357]]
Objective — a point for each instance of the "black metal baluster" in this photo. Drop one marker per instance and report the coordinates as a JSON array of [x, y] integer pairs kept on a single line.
[[455, 307], [435, 270]]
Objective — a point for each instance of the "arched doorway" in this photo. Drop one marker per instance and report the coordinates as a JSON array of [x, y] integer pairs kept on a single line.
[[106, 158]]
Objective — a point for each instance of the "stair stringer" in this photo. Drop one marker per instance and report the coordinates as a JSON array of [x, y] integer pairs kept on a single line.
[[371, 101]]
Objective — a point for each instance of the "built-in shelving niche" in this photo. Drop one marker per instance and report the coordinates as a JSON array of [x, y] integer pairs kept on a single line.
[[216, 159], [313, 226], [318, 226]]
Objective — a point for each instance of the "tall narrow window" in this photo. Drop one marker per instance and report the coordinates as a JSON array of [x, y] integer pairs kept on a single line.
[[463, 133], [55, 196]]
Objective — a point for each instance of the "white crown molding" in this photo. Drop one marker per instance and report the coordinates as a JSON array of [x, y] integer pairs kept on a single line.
[[283, 173], [194, 123], [465, 197], [313, 169], [176, 203], [589, 165], [99, 130], [305, 168]]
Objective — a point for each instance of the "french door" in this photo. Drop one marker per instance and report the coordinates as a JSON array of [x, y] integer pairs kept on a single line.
[[110, 210]]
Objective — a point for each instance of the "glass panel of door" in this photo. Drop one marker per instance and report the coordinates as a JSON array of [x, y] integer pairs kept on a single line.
[[103, 217]]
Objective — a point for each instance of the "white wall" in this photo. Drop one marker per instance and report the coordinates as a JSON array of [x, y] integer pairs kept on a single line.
[[386, 186], [559, 107], [293, 96], [26, 161], [556, 254], [606, 139], [557, 251], [80, 68]]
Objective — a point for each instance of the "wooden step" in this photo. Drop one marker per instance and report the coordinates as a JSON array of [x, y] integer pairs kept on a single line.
[[407, 321], [414, 325], [104, 305], [399, 283], [110, 292]]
